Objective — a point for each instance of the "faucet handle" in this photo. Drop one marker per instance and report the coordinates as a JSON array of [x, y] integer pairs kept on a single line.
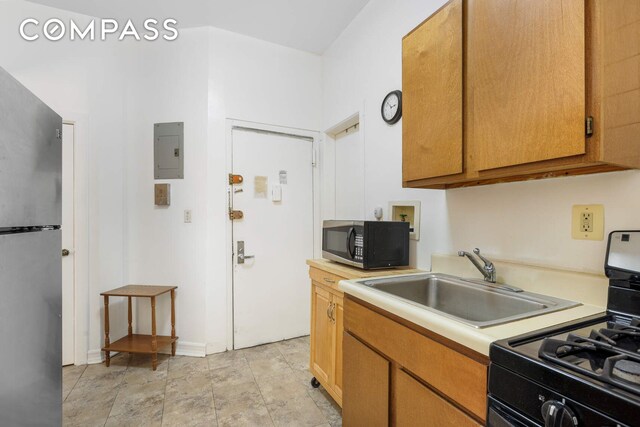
[[487, 263]]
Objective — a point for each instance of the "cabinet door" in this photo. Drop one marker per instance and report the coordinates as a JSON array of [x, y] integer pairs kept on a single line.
[[416, 404], [526, 73], [338, 315], [365, 399], [322, 332], [432, 96]]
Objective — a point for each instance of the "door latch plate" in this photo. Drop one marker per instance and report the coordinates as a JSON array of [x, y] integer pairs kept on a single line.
[[233, 215], [235, 179]]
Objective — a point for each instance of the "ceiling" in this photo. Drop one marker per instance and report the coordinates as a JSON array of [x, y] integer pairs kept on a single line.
[[308, 25]]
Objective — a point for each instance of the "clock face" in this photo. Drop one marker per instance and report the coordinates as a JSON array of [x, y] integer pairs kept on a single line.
[[392, 107]]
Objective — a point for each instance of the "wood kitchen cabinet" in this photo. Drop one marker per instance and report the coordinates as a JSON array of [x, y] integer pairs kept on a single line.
[[326, 343], [367, 380], [432, 70], [327, 319], [505, 90], [407, 375]]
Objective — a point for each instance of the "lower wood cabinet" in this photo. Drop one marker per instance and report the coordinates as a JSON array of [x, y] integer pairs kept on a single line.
[[416, 403], [326, 338], [400, 374], [366, 378], [327, 320]]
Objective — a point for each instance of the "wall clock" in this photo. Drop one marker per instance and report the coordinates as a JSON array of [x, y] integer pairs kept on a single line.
[[391, 109]]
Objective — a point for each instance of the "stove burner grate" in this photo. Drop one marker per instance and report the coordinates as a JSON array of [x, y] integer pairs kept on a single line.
[[607, 362]]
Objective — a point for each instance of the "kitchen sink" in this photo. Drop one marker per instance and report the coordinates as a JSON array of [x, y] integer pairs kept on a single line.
[[479, 304]]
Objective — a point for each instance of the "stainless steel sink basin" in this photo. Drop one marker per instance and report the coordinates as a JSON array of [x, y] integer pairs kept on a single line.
[[477, 304]]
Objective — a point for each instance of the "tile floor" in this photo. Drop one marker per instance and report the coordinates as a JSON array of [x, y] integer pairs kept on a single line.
[[261, 386]]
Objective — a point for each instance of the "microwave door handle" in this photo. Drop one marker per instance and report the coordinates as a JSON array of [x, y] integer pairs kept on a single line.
[[352, 232]]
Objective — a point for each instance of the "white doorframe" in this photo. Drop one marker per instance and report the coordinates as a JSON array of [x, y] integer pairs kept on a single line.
[[80, 123], [65, 125], [317, 229]]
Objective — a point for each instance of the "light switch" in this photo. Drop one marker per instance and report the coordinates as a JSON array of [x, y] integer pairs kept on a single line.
[[276, 193], [163, 194]]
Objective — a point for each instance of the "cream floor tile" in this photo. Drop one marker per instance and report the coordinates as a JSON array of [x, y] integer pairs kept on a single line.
[[248, 392], [330, 409], [81, 412], [273, 366], [190, 411], [230, 375], [298, 412], [258, 386], [281, 389], [265, 351], [228, 358], [293, 345], [141, 416], [187, 387], [298, 360], [70, 376], [244, 413], [136, 396]]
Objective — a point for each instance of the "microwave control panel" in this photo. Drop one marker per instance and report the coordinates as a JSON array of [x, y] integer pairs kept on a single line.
[[359, 247]]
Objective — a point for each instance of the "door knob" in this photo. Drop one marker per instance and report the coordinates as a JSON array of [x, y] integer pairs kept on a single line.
[[241, 255], [65, 252]]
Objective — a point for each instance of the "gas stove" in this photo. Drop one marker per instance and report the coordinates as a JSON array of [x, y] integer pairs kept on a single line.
[[581, 373]]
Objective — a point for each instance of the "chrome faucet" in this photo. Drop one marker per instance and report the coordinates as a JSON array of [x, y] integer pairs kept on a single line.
[[488, 270]]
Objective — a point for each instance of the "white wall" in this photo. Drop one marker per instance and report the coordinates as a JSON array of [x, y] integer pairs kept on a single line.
[[359, 69], [82, 83], [204, 78], [118, 91], [523, 221]]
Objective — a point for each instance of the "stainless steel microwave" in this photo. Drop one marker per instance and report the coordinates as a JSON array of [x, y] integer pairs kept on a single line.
[[366, 244]]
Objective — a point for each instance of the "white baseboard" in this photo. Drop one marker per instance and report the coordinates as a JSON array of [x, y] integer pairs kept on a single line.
[[192, 349], [94, 356], [216, 348]]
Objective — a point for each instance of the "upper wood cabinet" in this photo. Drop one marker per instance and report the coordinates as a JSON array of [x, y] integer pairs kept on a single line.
[[432, 96], [533, 74], [526, 71]]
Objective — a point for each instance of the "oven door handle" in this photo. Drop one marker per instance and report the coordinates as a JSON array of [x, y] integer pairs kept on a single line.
[[352, 232]]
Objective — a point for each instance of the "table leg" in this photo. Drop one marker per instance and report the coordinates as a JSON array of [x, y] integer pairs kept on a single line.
[[154, 339], [130, 330], [107, 357], [173, 321], [130, 317]]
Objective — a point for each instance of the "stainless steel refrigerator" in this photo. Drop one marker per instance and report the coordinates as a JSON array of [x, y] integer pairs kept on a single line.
[[30, 258]]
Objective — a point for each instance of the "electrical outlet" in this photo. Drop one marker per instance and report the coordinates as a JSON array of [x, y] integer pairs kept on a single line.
[[187, 216], [588, 222]]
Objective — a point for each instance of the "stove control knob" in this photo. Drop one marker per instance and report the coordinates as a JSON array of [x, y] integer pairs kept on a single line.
[[557, 414]]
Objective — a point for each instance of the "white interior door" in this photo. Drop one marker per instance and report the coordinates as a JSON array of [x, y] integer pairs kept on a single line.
[[68, 276], [270, 290]]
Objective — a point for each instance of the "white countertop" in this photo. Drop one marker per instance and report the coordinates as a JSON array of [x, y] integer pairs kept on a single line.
[[588, 289]]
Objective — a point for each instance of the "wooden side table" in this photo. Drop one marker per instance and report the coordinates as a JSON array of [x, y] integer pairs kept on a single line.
[[136, 343]]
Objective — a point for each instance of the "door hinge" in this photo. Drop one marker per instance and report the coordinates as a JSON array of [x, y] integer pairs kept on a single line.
[[233, 215], [58, 134], [589, 126], [235, 179]]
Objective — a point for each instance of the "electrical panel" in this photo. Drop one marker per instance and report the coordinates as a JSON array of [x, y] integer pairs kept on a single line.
[[168, 150]]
